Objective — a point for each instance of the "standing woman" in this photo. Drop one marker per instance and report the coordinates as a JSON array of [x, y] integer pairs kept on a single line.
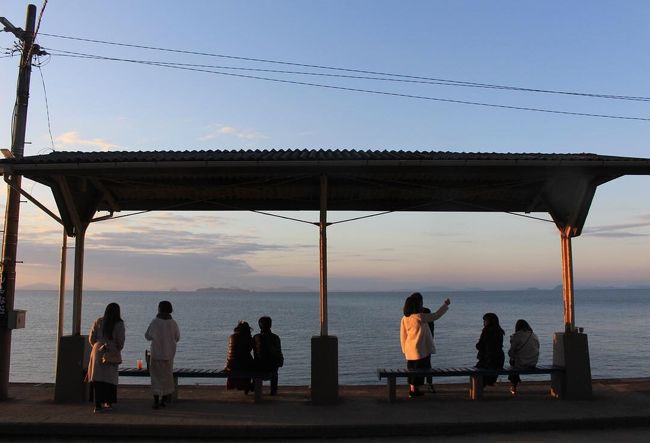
[[163, 333], [107, 340], [490, 347], [416, 339], [524, 351], [239, 358]]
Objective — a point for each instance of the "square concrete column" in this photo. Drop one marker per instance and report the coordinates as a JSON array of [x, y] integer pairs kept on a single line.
[[324, 369], [71, 366], [571, 351]]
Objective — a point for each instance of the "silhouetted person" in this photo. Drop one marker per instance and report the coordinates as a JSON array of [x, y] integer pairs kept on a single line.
[[267, 350], [524, 351], [239, 358], [490, 347], [106, 337], [163, 333]]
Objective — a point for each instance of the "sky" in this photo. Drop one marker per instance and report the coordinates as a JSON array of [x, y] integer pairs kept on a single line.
[[79, 103]]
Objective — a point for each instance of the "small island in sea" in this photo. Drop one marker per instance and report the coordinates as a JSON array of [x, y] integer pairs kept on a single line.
[[212, 290]]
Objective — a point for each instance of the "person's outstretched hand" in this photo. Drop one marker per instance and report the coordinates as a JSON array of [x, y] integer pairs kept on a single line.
[[447, 302]]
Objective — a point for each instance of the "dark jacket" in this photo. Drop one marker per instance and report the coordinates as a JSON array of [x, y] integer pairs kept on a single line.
[[267, 350], [490, 348]]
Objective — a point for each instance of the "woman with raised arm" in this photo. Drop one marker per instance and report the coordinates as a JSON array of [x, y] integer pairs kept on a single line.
[[416, 339]]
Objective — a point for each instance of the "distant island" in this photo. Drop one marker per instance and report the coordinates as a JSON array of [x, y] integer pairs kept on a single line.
[[212, 290]]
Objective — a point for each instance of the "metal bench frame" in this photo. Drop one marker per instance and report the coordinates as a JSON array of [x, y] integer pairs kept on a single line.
[[258, 377], [475, 376]]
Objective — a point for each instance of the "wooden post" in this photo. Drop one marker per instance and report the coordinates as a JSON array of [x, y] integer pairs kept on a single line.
[[12, 211], [64, 256], [78, 279]]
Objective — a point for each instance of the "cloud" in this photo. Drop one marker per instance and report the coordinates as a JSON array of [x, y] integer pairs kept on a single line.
[[231, 131], [620, 230], [73, 138]]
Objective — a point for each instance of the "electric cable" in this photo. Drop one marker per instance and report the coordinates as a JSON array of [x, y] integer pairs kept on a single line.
[[375, 92], [361, 71]]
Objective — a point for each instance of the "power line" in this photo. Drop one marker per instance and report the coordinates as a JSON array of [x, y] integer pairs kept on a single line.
[[366, 91], [347, 76], [47, 107], [360, 71]]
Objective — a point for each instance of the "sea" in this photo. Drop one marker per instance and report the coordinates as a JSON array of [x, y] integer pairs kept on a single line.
[[365, 323]]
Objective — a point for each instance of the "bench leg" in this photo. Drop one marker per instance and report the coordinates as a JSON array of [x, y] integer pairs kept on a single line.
[[175, 393], [258, 389], [475, 387], [392, 387]]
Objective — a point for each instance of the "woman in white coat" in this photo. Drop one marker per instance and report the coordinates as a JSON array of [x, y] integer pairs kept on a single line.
[[416, 339], [524, 351], [163, 333]]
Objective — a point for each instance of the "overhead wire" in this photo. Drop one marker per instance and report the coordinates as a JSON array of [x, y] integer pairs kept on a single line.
[[368, 91], [360, 71]]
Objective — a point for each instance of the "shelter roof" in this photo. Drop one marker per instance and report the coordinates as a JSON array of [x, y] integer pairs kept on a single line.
[[86, 182]]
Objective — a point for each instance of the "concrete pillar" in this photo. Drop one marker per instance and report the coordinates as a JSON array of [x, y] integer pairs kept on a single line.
[[324, 369], [571, 351], [71, 367]]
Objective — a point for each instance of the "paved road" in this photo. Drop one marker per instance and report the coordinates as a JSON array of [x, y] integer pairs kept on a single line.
[[637, 435]]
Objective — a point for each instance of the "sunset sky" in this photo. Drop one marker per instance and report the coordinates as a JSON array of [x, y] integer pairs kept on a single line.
[[593, 47]]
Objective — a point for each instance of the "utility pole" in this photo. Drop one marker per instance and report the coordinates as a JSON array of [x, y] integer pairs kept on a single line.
[[10, 239]]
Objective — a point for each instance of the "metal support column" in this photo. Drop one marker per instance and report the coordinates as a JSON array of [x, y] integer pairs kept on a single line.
[[567, 279], [323, 255], [324, 347]]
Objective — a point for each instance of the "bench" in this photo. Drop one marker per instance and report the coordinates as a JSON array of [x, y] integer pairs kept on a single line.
[[475, 376], [257, 377]]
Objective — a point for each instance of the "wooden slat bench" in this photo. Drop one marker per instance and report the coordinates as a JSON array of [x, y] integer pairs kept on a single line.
[[475, 376], [257, 377]]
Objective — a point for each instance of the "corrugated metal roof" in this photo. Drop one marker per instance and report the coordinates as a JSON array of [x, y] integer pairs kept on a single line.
[[270, 155], [357, 180]]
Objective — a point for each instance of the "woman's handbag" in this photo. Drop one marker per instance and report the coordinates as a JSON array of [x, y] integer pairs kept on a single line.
[[111, 356]]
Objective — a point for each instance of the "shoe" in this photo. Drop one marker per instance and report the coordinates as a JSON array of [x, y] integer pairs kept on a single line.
[[98, 410], [431, 388], [413, 394]]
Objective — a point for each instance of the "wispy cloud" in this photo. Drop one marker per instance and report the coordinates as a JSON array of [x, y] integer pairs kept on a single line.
[[622, 230], [231, 131], [73, 138]]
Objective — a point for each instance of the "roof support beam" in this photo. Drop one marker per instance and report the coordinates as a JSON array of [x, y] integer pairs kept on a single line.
[[10, 179], [569, 198]]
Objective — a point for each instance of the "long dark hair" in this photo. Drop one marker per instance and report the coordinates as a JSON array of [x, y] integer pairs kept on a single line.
[[522, 325], [411, 306], [110, 319], [492, 322]]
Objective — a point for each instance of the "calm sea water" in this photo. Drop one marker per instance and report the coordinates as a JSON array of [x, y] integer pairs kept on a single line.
[[366, 324]]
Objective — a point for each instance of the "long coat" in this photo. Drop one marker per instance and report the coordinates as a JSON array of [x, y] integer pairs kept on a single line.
[[97, 371]]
